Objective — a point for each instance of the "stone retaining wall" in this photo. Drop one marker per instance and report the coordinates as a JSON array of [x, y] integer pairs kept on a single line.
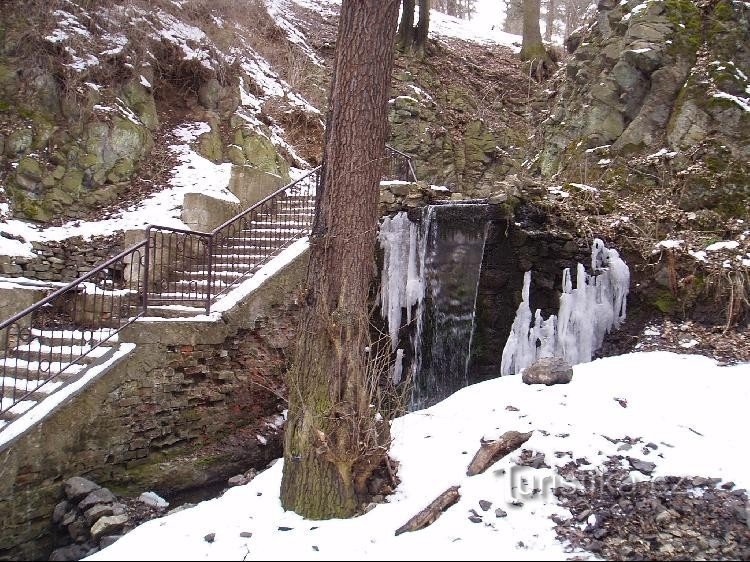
[[63, 260], [194, 403]]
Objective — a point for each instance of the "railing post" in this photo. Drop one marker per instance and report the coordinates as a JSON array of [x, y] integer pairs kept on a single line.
[[146, 265], [209, 269]]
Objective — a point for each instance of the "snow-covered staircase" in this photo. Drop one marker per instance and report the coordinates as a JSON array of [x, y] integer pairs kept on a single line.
[[234, 256], [31, 371]]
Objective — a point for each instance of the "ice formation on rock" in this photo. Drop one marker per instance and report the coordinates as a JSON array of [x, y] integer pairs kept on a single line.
[[587, 313]]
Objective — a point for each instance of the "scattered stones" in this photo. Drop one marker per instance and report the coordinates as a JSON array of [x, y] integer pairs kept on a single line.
[[93, 518], [485, 505], [109, 540], [72, 552], [499, 513], [622, 402], [548, 371], [246, 534], [99, 496], [662, 519], [242, 479], [96, 512], [210, 537], [532, 459]]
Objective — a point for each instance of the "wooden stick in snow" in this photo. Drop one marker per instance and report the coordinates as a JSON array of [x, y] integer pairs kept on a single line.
[[429, 514], [492, 451]]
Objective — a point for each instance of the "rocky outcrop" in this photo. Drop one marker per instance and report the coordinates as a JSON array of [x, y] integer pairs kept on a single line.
[[87, 113], [660, 74]]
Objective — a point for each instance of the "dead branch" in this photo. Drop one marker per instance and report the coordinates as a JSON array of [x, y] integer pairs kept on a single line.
[[492, 451], [430, 514]]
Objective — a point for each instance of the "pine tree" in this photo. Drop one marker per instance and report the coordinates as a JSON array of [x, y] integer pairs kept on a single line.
[[333, 440]]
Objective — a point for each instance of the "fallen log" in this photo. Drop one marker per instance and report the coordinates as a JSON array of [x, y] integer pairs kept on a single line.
[[429, 514], [492, 451]]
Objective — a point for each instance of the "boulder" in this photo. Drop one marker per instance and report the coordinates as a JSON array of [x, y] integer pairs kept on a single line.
[[548, 371], [77, 488], [98, 496], [109, 525]]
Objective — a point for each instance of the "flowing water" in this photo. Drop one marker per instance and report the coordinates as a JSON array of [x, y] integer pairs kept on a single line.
[[437, 269]]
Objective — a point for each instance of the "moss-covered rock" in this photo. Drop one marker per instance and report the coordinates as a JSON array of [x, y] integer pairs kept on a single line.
[[72, 181], [122, 170], [18, 142], [210, 146], [236, 155], [661, 81], [30, 168], [141, 101]]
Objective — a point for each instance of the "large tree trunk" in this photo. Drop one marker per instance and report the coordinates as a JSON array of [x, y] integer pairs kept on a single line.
[[423, 27], [332, 441], [406, 27]]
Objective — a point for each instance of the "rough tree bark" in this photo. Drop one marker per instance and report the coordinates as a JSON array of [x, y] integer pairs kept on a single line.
[[409, 35], [333, 441]]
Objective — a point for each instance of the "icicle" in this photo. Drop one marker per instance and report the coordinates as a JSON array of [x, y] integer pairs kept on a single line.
[[586, 314], [400, 285], [398, 366]]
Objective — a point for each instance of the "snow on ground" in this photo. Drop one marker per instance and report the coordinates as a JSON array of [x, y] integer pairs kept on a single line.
[[685, 404], [477, 30], [484, 27]]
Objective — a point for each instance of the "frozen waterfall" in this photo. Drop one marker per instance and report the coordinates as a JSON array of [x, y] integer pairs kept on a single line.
[[431, 274], [587, 313]]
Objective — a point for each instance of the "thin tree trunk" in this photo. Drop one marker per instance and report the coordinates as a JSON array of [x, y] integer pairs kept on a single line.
[[423, 27], [532, 48], [333, 441], [550, 20], [406, 27]]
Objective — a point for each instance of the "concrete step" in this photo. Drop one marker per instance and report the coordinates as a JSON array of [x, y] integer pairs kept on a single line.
[[36, 351], [21, 368], [30, 389], [74, 337], [238, 245], [241, 264], [9, 412], [271, 227], [177, 310], [203, 274], [187, 300]]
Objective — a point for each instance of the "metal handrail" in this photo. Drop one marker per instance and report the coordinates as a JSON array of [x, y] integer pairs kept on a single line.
[[66, 289], [202, 244], [266, 199], [407, 158], [63, 304]]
